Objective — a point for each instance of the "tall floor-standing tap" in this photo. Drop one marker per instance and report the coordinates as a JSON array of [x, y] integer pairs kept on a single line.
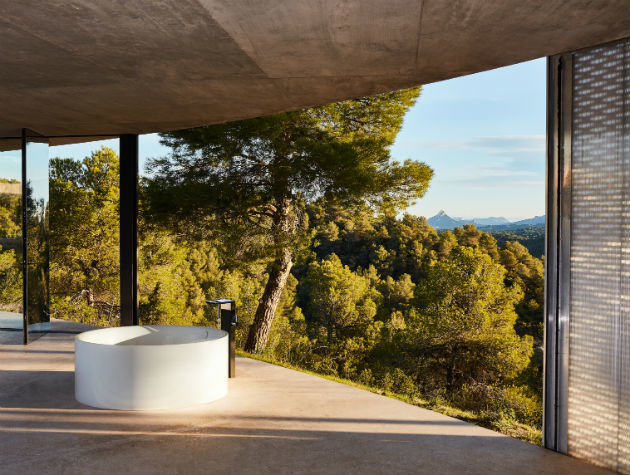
[[227, 319]]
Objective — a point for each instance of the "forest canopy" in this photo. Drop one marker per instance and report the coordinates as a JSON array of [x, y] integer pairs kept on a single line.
[[255, 178]]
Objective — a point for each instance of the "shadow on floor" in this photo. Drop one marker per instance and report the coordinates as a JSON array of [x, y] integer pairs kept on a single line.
[[62, 436], [43, 429]]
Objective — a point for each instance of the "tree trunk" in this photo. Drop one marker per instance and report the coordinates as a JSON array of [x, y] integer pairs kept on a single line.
[[89, 296], [259, 331]]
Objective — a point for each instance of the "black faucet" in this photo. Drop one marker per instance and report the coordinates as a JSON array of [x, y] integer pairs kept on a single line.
[[226, 315]]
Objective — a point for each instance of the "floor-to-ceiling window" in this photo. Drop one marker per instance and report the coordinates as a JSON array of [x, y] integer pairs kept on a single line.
[[11, 319], [84, 233], [36, 232], [24, 230]]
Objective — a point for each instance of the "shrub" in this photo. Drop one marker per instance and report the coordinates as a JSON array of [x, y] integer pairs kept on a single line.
[[496, 403]]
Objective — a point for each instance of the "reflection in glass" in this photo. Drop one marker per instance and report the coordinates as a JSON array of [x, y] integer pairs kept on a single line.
[[11, 239], [37, 242]]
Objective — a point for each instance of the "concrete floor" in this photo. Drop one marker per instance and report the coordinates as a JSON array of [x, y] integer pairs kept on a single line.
[[274, 421]]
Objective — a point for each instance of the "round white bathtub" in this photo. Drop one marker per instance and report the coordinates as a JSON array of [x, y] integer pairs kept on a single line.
[[150, 367]]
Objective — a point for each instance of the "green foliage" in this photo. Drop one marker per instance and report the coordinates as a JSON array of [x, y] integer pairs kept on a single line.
[[342, 302], [463, 329], [9, 221], [342, 307], [84, 240], [532, 237], [10, 251], [173, 292], [10, 281], [175, 278], [251, 180], [500, 403], [397, 293], [241, 172], [399, 382], [528, 273]]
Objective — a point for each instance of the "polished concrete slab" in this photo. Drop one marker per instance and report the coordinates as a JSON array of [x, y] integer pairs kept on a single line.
[[274, 421]]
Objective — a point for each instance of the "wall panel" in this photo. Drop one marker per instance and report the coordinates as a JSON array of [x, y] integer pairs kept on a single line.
[[596, 405]]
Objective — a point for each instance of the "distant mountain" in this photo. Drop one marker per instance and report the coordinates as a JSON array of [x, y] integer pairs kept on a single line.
[[444, 221], [535, 221], [492, 221]]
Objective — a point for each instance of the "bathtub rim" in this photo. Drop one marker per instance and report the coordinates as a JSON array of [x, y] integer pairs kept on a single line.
[[80, 338]]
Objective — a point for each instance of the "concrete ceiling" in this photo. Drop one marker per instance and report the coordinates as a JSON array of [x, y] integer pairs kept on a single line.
[[106, 67]]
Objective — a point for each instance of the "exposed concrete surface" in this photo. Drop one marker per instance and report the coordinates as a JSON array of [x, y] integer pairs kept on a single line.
[[111, 67], [274, 421]]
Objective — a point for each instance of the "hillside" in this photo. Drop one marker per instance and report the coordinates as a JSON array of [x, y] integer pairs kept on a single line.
[[529, 232], [532, 237], [535, 221]]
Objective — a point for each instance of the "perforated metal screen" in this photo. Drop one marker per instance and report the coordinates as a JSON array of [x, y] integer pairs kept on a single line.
[[599, 333]]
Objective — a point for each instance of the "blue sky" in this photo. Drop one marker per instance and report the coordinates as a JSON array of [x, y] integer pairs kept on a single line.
[[483, 135]]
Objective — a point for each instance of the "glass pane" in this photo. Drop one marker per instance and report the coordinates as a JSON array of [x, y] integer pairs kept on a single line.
[[37, 247], [11, 320], [84, 233]]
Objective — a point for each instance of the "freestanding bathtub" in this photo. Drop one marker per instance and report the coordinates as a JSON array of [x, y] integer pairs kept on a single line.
[[150, 367]]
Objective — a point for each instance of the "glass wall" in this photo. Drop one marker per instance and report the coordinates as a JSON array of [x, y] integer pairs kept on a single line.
[[11, 317], [24, 249], [84, 233], [36, 247]]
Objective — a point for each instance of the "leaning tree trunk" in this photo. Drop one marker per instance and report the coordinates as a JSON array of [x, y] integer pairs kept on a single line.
[[259, 331]]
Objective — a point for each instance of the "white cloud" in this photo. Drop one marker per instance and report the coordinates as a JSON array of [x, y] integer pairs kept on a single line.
[[493, 181], [506, 145], [501, 172]]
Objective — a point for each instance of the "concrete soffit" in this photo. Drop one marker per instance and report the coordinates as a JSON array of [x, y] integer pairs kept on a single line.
[[77, 71]]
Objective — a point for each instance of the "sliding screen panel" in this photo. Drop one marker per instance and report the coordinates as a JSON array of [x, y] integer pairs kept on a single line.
[[587, 388]]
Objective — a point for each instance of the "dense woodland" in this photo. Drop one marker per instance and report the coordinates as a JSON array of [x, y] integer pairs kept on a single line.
[[10, 270], [532, 237], [362, 290]]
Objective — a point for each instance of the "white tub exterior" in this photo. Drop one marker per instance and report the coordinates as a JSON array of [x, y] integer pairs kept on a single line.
[[150, 367]]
